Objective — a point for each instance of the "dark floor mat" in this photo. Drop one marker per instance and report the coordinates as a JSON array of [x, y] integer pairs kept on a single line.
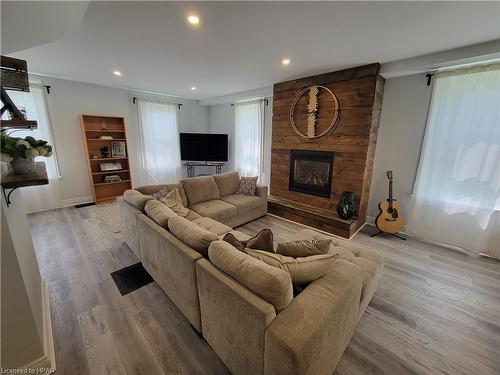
[[131, 278]]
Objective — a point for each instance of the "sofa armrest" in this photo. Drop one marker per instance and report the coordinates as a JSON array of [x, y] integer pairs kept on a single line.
[[261, 191], [310, 335]]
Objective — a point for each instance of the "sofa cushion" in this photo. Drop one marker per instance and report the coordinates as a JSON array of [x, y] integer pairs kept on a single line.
[[303, 248], [244, 202], [136, 198], [248, 185], [302, 270], [270, 283], [262, 241], [192, 234], [212, 226], [192, 215], [228, 183], [158, 212], [200, 189], [151, 189], [215, 209]]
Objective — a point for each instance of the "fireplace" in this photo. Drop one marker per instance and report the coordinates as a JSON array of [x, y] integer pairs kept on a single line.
[[311, 172]]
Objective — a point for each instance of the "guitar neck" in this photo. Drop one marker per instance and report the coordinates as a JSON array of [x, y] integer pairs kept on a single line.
[[390, 194]]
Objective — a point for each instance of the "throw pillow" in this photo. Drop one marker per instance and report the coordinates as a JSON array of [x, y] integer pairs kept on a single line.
[[262, 241], [248, 185], [303, 248], [172, 200], [301, 270]]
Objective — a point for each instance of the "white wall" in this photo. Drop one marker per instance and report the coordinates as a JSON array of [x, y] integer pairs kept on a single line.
[[68, 99], [402, 125], [221, 120], [22, 335]]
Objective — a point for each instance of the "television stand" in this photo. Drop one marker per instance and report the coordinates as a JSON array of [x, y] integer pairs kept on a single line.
[[190, 166]]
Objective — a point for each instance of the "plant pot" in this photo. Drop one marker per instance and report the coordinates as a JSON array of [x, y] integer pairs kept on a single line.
[[23, 166]]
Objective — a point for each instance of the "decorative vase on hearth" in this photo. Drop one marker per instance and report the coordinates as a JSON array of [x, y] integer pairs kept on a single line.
[[347, 205]]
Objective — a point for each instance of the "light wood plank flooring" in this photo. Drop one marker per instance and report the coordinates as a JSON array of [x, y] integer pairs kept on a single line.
[[436, 311]]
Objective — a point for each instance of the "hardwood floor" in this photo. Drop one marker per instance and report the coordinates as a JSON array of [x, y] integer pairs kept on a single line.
[[436, 311]]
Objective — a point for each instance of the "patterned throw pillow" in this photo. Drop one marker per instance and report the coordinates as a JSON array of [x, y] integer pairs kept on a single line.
[[262, 241], [248, 185], [172, 200], [161, 193]]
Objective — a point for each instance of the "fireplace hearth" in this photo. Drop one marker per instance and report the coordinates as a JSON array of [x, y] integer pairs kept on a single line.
[[311, 172]]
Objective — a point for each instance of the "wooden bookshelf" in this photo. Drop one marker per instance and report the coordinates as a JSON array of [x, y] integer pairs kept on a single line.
[[93, 127]]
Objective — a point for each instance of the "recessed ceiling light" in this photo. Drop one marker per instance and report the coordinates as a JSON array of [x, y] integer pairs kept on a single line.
[[193, 20], [117, 73], [193, 88], [285, 61]]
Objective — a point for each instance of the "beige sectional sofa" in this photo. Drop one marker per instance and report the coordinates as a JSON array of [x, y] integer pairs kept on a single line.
[[247, 330]]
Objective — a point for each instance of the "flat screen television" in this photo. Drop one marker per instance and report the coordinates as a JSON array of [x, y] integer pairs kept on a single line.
[[203, 147]]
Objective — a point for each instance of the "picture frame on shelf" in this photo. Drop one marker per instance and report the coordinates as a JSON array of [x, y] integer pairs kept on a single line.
[[118, 149]]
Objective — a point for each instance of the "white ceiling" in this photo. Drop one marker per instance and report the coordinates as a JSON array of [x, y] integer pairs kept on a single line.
[[239, 46]]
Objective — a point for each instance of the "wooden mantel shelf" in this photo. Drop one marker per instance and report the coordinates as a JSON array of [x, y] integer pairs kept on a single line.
[[13, 181], [316, 217]]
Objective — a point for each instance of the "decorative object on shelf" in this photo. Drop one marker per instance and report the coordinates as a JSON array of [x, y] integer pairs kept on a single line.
[[21, 152], [21, 109], [112, 178], [306, 109], [104, 151], [347, 205], [99, 135], [118, 149], [112, 166]]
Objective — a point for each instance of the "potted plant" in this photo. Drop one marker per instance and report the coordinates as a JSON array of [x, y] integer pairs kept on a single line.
[[21, 152]]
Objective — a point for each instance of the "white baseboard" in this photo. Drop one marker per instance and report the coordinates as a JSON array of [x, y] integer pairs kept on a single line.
[[75, 201], [68, 203], [40, 363], [48, 338]]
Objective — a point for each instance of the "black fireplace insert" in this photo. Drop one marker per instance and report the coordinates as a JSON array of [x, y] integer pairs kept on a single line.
[[311, 172]]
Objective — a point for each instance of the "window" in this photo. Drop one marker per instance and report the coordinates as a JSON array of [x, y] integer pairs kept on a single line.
[[160, 142], [457, 192], [249, 130], [34, 104]]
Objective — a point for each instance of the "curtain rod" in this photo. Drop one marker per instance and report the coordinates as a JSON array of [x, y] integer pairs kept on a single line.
[[155, 100], [265, 100]]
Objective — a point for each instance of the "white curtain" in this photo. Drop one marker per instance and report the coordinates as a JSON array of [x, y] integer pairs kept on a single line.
[[249, 132], [161, 158], [37, 198], [457, 192]]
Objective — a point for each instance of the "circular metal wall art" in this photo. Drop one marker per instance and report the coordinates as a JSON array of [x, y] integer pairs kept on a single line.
[[300, 117]]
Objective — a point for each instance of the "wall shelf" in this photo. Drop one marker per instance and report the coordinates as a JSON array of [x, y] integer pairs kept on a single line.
[[13, 181]]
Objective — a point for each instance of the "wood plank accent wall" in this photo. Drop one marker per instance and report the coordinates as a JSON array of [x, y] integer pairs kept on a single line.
[[359, 91]]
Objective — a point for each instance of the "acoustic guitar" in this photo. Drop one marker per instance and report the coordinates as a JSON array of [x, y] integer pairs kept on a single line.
[[389, 219]]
